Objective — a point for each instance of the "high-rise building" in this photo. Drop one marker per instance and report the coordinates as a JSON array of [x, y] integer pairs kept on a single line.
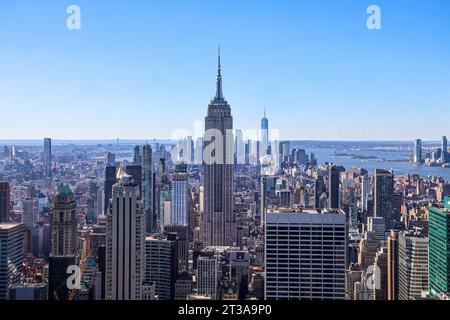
[[333, 187], [137, 156], [30, 219], [179, 192], [392, 267], [377, 225], [444, 151], [11, 256], [285, 150], [198, 151], [125, 241], [365, 191], [418, 151], [48, 156], [381, 275], [183, 286], [110, 180], [240, 271], [384, 196], [110, 159], [208, 276], [239, 146], [135, 171], [439, 249], [412, 265], [64, 223], [295, 266], [264, 136], [5, 202], [147, 187], [162, 264], [182, 245], [92, 202], [368, 248], [219, 221]]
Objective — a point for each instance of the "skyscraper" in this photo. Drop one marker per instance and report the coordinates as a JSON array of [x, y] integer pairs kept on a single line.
[[439, 246], [381, 277], [295, 266], [135, 171], [264, 135], [444, 152], [110, 180], [110, 159], [147, 186], [5, 201], [365, 191], [30, 218], [383, 196], [392, 267], [219, 221], [48, 156], [11, 256], [333, 187], [64, 243], [137, 155], [64, 223], [208, 276], [239, 147], [162, 264], [179, 192], [418, 151], [125, 242], [412, 264]]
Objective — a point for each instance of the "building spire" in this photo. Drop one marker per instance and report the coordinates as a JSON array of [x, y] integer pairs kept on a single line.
[[219, 93]]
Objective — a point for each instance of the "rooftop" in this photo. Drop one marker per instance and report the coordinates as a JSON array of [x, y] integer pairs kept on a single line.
[[8, 226], [301, 210]]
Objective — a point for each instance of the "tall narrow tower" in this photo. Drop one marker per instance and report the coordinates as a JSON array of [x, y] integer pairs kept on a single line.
[[264, 135], [147, 186], [219, 221], [125, 241]]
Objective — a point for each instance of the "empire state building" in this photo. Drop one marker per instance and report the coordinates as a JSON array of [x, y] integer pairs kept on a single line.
[[218, 226]]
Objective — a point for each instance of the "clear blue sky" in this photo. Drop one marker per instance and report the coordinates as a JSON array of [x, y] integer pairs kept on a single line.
[[140, 69]]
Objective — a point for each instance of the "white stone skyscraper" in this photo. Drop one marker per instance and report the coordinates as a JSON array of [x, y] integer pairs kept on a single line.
[[125, 241], [218, 226]]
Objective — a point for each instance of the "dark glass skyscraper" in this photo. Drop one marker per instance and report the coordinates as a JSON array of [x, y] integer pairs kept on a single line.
[[333, 187], [219, 221], [110, 180], [5, 202], [383, 196]]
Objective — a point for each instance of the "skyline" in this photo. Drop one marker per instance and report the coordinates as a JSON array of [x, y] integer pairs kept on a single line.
[[119, 66]]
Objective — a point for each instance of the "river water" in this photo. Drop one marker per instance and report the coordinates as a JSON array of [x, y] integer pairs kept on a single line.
[[400, 168]]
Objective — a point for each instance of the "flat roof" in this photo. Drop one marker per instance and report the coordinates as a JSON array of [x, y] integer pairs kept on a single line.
[[8, 226], [306, 211]]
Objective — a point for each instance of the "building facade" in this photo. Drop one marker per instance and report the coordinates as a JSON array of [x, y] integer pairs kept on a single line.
[[305, 255]]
